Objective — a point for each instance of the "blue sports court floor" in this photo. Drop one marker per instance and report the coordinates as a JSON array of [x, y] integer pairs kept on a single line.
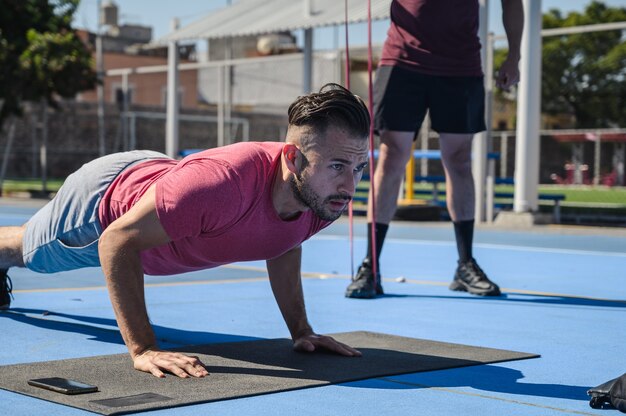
[[564, 298]]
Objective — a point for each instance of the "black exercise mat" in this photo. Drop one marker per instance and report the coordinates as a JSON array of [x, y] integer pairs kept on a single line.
[[240, 369]]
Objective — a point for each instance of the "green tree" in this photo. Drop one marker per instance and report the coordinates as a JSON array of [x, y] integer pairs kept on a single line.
[[41, 56], [583, 74]]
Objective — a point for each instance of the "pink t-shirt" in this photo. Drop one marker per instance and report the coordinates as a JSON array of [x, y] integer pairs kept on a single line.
[[215, 205], [434, 37]]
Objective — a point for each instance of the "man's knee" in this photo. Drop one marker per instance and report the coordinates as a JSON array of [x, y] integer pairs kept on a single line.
[[395, 149], [456, 153]]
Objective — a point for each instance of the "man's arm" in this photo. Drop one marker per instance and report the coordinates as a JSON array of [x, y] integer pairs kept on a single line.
[[513, 21], [119, 247], [284, 273]]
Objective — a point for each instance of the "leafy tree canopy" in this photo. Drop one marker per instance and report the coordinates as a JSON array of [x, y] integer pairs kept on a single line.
[[584, 74], [40, 55]]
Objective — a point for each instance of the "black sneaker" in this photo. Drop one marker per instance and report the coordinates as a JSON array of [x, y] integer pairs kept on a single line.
[[6, 287], [469, 277], [362, 286]]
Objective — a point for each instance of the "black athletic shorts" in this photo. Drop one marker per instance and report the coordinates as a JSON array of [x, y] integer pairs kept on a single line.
[[402, 97]]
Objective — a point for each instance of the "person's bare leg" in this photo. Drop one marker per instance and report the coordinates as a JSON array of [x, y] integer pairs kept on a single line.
[[11, 247], [10, 255], [394, 152], [456, 155]]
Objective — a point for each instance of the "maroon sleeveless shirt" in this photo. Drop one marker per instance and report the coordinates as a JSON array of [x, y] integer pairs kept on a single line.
[[434, 37]]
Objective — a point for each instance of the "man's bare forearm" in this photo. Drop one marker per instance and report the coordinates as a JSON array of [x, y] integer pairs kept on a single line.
[[513, 22], [284, 273], [122, 267]]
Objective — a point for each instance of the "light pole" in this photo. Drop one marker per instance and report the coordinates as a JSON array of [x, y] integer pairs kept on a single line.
[[100, 86]]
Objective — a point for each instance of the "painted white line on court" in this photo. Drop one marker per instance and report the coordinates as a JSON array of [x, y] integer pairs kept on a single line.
[[486, 245]]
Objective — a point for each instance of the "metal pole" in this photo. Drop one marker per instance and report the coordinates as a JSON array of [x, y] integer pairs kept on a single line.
[[409, 178], [43, 154], [220, 106], [528, 108], [125, 138], [33, 137], [578, 152], [229, 88], [307, 83], [479, 145], [491, 183], [560, 31], [424, 133], [618, 162], [504, 151], [173, 105], [100, 86], [228, 92], [596, 159], [133, 131]]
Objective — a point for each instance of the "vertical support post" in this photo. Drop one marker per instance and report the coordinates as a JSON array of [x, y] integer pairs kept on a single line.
[[228, 92], [491, 189], [43, 153], [577, 161], [479, 145], [618, 162], [173, 104], [220, 105], [307, 77], [528, 108], [339, 74], [596, 159], [504, 152], [125, 97], [33, 137], [409, 180], [424, 133], [100, 84], [133, 131]]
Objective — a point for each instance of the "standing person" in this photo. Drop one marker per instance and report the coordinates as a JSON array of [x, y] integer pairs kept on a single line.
[[142, 212], [431, 62]]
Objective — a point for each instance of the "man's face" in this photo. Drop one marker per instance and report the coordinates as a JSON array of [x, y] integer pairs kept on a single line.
[[333, 168]]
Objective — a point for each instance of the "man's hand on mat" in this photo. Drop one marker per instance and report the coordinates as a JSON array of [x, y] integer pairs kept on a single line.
[[183, 366], [312, 342]]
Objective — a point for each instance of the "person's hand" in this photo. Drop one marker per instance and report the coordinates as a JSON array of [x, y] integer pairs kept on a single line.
[[508, 75], [156, 361], [312, 342]]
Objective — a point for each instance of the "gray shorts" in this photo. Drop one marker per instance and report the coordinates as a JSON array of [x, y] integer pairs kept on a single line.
[[64, 234]]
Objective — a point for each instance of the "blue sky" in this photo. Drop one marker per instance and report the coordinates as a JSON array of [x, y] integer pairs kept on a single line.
[[158, 14]]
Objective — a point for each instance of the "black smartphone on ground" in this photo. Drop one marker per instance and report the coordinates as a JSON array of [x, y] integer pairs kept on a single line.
[[63, 385]]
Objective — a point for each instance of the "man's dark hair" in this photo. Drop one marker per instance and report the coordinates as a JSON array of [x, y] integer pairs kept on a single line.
[[333, 105]]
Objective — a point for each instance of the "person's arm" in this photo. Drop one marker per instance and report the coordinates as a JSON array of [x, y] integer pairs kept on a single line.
[[284, 274], [513, 21], [119, 248]]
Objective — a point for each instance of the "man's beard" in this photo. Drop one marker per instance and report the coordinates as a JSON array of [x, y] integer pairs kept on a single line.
[[303, 193]]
